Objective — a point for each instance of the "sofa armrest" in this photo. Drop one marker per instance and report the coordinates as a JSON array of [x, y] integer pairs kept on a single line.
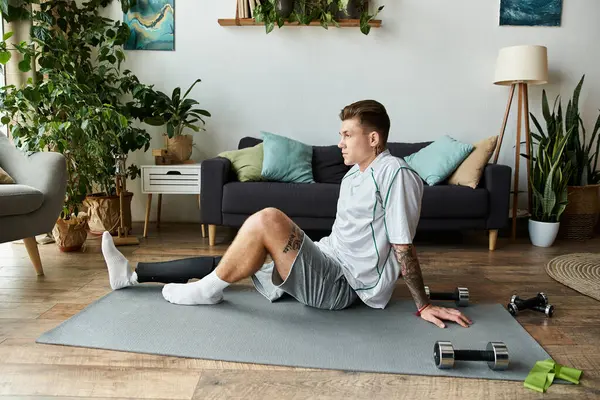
[[216, 172], [497, 180]]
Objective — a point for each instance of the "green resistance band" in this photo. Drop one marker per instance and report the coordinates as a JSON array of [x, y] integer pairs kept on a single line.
[[543, 373]]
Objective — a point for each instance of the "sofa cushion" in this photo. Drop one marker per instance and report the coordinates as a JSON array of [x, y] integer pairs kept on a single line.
[[286, 160], [5, 178], [451, 201], [403, 150], [328, 164], [294, 199], [19, 199], [469, 173], [437, 161], [248, 142], [247, 163]]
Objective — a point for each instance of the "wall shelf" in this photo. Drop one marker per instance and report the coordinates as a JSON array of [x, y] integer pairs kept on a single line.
[[347, 23]]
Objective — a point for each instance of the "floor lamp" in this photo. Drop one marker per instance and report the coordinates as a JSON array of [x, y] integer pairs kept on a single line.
[[518, 67]]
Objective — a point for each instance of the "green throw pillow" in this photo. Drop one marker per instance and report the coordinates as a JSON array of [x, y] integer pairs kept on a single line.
[[286, 160], [438, 161], [247, 163]]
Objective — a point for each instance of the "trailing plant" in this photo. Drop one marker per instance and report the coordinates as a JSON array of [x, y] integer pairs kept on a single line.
[[307, 11]]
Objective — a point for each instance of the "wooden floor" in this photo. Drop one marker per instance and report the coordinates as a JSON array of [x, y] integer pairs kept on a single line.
[[30, 306]]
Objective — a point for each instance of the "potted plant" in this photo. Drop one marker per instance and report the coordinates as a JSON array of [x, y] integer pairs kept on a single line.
[[351, 9], [327, 12], [73, 104], [549, 176], [177, 113], [581, 214]]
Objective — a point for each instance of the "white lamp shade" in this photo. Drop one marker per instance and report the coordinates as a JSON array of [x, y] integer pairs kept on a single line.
[[522, 64]]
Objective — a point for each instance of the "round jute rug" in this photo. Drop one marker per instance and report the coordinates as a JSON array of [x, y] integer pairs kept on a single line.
[[579, 271]]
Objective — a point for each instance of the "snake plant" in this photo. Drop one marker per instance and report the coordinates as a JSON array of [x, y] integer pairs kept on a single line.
[[551, 170]]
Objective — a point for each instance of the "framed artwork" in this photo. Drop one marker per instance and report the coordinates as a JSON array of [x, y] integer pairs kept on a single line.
[[531, 12], [152, 25]]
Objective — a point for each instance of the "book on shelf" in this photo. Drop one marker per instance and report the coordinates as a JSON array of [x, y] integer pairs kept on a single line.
[[252, 6]]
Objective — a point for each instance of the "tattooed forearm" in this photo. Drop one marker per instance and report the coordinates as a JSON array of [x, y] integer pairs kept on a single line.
[[411, 272], [295, 239]]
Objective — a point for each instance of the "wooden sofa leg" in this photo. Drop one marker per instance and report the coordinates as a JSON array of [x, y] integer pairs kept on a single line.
[[34, 254], [493, 239], [212, 232]]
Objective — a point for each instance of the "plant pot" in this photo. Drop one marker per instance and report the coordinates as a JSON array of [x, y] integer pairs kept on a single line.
[[105, 215], [353, 10], [543, 234], [284, 7], [180, 147], [581, 214], [70, 235]]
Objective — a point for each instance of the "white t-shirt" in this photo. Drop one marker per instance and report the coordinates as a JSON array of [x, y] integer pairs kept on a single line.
[[378, 207]]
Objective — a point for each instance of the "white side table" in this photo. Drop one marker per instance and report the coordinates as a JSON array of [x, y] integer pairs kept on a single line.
[[169, 179]]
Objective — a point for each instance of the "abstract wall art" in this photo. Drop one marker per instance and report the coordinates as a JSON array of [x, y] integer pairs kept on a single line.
[[152, 25], [530, 12]]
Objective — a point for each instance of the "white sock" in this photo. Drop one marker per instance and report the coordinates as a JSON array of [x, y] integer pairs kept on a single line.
[[208, 290], [119, 272]]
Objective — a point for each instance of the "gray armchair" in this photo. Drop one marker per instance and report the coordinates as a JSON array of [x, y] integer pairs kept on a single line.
[[30, 207]]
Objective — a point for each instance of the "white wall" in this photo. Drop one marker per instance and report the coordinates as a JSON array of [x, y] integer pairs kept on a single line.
[[432, 65]]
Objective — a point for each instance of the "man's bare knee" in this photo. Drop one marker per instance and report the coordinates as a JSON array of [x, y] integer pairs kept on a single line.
[[272, 219]]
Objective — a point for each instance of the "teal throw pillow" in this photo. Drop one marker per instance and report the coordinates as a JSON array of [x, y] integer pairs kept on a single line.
[[439, 160], [286, 160]]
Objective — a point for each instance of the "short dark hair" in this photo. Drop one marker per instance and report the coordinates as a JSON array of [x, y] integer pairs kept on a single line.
[[372, 115]]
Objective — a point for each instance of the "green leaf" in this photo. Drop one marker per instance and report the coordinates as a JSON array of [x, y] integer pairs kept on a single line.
[[4, 57], [25, 64], [176, 95], [191, 87], [7, 35], [200, 112], [5, 120], [193, 127]]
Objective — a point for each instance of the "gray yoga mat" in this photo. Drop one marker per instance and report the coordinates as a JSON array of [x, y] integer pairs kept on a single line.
[[246, 327]]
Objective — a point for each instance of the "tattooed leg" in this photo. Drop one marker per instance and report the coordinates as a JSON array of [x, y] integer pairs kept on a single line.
[[269, 231], [411, 272]]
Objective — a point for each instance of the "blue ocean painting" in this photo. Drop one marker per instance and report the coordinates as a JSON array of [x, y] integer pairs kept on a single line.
[[530, 12], [152, 25]]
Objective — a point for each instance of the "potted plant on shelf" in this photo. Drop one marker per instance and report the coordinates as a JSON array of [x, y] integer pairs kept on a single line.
[[581, 214], [177, 113], [327, 12], [549, 176], [351, 9]]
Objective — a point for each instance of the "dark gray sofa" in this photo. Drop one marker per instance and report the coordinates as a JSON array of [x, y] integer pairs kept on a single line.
[[228, 202]]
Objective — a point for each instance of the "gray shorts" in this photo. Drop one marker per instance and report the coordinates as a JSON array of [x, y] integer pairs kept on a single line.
[[315, 280]]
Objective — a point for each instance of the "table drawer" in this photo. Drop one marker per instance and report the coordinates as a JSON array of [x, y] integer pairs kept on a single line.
[[171, 179]]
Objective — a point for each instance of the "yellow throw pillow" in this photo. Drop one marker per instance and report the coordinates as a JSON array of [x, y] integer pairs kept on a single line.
[[469, 172], [5, 178]]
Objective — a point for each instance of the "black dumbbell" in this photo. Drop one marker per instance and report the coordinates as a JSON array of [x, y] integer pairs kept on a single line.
[[460, 296], [496, 355], [548, 310], [517, 305]]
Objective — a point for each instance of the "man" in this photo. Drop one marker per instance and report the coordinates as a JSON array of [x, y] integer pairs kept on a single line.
[[369, 248]]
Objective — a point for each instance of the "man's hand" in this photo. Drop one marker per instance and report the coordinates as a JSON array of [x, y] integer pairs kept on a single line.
[[436, 315]]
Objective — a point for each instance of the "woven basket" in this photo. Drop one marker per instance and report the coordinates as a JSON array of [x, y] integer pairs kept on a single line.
[[581, 215]]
